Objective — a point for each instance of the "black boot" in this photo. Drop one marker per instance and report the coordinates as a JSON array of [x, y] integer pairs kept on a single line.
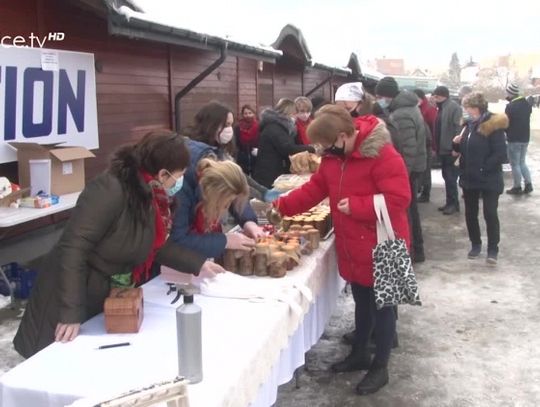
[[375, 378], [528, 189], [356, 360], [514, 191]]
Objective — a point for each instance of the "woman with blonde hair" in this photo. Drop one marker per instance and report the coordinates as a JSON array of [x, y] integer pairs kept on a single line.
[[222, 185], [277, 143]]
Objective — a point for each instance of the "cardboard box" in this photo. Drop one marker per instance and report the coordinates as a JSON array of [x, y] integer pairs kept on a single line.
[[67, 165]]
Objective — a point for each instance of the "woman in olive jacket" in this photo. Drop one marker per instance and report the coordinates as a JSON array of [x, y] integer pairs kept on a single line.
[[482, 147], [115, 232]]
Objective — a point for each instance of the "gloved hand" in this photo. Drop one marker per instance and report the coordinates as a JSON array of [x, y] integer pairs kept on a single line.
[[271, 195]]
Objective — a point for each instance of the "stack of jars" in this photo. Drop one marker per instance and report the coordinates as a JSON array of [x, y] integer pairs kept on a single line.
[[273, 255]]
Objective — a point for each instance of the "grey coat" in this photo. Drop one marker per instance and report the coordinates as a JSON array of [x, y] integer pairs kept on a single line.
[[411, 138], [450, 117], [101, 238]]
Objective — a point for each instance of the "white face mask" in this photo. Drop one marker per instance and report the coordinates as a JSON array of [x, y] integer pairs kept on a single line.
[[226, 135]]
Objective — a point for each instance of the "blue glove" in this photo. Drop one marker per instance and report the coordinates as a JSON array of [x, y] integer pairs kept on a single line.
[[271, 195]]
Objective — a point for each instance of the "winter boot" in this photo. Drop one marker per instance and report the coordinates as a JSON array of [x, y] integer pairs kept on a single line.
[[475, 251], [375, 378], [514, 191], [528, 188], [356, 360]]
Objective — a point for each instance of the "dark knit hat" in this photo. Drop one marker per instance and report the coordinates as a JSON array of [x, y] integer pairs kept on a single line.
[[512, 89], [441, 91], [387, 87]]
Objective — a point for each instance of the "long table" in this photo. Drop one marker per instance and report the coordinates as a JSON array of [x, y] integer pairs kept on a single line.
[[249, 347]]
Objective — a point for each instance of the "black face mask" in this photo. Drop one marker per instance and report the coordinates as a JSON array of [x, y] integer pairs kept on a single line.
[[337, 151], [354, 113]]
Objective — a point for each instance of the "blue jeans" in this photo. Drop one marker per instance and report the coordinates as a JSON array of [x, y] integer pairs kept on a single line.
[[517, 153]]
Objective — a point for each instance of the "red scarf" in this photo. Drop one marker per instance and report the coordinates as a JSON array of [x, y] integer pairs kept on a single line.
[[301, 129], [162, 226], [249, 133]]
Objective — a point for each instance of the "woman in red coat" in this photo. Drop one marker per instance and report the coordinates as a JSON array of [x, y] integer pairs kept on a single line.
[[359, 162]]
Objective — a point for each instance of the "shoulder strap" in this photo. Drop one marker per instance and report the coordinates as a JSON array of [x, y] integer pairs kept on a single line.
[[384, 225]]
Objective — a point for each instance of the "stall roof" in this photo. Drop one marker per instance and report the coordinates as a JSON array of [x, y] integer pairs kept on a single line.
[[128, 18]]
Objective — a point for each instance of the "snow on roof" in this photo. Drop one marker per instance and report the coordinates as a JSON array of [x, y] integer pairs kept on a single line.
[[157, 12], [192, 25]]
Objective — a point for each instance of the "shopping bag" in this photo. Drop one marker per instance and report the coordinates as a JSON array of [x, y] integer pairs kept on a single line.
[[394, 279]]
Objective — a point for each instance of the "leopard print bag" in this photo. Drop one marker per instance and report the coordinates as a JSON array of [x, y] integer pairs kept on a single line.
[[395, 282]]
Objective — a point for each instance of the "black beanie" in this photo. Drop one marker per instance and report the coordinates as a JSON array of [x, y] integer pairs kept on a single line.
[[387, 87]]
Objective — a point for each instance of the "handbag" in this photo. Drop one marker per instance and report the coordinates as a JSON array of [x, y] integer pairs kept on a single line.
[[394, 279]]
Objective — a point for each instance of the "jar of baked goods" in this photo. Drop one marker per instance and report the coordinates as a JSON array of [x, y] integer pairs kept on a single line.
[[320, 225], [262, 252], [314, 238], [286, 222], [245, 267], [297, 220], [278, 266], [292, 256], [229, 261]]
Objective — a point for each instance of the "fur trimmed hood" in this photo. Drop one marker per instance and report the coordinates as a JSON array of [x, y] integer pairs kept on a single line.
[[496, 121], [375, 141]]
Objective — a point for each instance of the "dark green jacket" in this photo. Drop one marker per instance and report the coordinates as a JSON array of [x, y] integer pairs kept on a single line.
[[100, 239]]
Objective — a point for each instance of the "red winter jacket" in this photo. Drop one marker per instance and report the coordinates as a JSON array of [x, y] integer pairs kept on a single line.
[[429, 113], [301, 128], [374, 167]]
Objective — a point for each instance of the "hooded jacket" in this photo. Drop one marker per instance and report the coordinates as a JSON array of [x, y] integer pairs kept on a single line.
[[483, 151], [411, 140], [374, 167], [276, 144]]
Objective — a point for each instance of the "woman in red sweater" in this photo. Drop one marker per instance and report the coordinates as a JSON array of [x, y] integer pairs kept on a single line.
[[303, 119], [247, 139], [359, 162]]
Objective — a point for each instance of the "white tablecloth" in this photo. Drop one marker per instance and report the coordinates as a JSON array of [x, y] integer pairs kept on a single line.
[[249, 348]]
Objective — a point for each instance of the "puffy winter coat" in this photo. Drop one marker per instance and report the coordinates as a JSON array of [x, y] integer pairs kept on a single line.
[[483, 151], [374, 167], [411, 140]]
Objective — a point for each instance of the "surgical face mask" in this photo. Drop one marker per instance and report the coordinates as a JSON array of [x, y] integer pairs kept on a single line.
[[466, 116], [226, 135], [303, 116], [337, 151], [383, 103], [176, 187]]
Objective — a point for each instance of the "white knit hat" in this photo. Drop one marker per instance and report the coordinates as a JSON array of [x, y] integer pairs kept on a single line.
[[512, 89], [350, 92]]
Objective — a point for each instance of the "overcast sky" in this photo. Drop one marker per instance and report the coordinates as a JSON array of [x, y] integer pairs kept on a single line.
[[424, 32]]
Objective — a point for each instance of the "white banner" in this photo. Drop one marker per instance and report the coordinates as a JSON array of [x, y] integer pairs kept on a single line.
[[46, 96]]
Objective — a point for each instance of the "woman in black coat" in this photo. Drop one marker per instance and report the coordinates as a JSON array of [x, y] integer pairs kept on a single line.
[[277, 143], [482, 147]]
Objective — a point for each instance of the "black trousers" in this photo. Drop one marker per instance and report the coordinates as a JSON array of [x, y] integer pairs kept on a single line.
[[490, 204], [450, 175], [369, 319], [415, 225], [425, 184]]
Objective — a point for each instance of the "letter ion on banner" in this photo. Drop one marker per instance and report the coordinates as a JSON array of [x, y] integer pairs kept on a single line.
[[46, 106]]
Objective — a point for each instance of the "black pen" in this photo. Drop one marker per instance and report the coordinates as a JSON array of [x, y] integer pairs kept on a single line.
[[114, 345]]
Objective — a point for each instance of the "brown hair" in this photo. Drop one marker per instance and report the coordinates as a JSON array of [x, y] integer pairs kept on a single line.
[[475, 99], [220, 181], [329, 121], [157, 150], [247, 107], [211, 118]]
